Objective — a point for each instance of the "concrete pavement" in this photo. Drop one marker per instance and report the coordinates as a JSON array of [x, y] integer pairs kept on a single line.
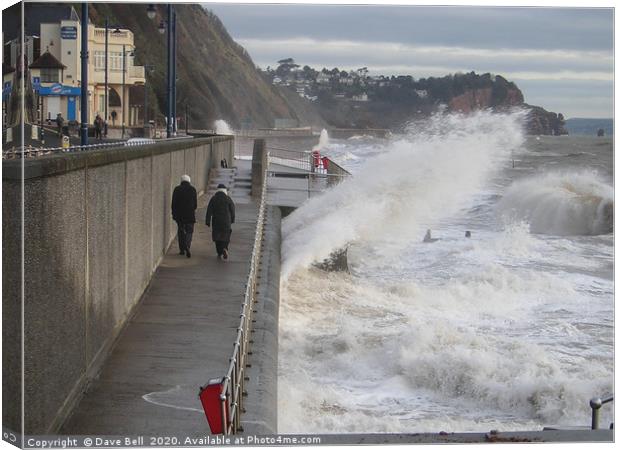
[[181, 335]]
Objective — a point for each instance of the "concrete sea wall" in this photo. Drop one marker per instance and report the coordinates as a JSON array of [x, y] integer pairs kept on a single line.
[[96, 226], [261, 405]]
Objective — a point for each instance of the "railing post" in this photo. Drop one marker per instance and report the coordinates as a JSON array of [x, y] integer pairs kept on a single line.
[[595, 404], [224, 412], [259, 165]]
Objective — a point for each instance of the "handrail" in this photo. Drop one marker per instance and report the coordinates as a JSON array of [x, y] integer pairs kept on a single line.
[[34, 152], [596, 403], [289, 150], [231, 397]]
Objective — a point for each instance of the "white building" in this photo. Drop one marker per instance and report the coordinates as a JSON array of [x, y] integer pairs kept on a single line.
[[56, 73], [322, 78]]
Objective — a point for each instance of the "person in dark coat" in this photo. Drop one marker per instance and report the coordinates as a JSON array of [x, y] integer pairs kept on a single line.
[[98, 123], [221, 215], [184, 203], [60, 121]]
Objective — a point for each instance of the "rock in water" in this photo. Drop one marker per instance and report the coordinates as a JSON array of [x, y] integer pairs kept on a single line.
[[336, 262]]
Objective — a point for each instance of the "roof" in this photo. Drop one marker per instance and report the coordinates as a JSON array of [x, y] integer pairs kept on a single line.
[[47, 61], [35, 14]]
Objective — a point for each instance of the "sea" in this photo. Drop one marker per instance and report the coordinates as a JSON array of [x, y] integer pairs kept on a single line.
[[508, 329]]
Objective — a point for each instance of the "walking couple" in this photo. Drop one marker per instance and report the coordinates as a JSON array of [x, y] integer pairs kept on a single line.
[[220, 216]]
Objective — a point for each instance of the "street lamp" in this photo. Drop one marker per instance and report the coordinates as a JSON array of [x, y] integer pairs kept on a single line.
[[170, 27], [125, 53], [150, 11]]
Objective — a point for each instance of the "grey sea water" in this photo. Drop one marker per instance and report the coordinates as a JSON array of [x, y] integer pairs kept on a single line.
[[510, 329]]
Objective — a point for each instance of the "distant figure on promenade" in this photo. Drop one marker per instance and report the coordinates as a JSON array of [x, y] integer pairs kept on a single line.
[[60, 121], [221, 214], [224, 164], [98, 127], [468, 234], [184, 204], [428, 238]]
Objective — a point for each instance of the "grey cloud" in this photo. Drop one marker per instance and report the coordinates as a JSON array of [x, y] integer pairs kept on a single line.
[[379, 54], [564, 28]]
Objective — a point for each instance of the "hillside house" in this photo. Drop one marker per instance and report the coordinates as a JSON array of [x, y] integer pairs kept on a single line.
[[323, 78]]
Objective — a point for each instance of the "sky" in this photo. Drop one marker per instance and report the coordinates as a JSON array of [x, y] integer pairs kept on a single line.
[[562, 58]]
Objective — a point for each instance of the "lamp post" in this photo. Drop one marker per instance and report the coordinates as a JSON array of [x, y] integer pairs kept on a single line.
[[84, 79], [174, 71], [123, 107], [187, 119], [147, 69], [105, 100], [125, 53], [169, 73], [170, 29]]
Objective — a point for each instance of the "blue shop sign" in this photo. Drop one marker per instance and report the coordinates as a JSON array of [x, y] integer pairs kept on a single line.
[[6, 90], [68, 32], [59, 89]]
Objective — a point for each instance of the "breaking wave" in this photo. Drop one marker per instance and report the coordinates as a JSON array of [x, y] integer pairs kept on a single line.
[[561, 204], [431, 172]]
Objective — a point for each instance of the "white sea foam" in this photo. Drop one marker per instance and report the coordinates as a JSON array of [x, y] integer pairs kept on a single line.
[[362, 357]]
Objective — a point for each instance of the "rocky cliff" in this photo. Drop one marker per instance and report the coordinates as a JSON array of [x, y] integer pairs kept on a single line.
[[504, 94], [216, 77]]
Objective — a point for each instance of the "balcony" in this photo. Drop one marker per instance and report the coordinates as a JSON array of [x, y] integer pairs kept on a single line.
[[134, 75], [122, 37], [136, 72]]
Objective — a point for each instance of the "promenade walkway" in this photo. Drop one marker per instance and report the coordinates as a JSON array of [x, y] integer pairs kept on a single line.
[[181, 335]]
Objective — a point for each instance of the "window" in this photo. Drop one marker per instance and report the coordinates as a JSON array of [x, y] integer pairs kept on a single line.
[[49, 75], [115, 61], [102, 103], [99, 60]]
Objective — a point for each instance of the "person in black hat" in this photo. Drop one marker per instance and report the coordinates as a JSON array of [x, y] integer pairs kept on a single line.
[[221, 214], [184, 203]]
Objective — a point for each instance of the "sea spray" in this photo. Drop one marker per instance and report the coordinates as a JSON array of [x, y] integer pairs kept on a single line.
[[508, 329], [569, 203], [323, 141], [361, 355], [418, 180], [222, 127]]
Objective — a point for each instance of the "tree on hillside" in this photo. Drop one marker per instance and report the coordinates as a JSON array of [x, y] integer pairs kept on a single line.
[[285, 66]]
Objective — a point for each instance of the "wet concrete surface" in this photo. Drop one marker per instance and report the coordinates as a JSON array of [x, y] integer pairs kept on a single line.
[[181, 336]]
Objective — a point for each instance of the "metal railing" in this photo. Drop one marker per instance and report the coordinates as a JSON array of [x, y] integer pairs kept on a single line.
[[285, 132], [34, 152], [231, 397], [596, 404], [291, 158]]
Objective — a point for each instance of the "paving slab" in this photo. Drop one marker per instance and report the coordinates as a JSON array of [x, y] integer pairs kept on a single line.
[[181, 335]]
